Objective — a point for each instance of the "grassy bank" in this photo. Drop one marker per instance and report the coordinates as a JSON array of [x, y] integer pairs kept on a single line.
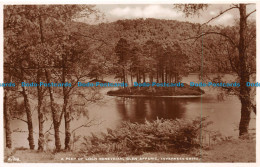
[[236, 150]]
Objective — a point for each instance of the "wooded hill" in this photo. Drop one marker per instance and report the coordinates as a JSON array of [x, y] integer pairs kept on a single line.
[[145, 35]]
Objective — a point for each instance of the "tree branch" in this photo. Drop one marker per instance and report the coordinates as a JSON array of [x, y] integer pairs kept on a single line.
[[20, 119], [212, 32], [250, 13], [88, 124], [221, 13], [49, 128]]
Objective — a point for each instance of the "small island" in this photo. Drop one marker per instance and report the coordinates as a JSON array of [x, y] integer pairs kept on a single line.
[[154, 91]]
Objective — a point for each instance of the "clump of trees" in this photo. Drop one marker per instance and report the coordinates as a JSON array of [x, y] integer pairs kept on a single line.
[[150, 62], [41, 46]]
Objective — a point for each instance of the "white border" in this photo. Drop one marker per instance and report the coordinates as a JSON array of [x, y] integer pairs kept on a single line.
[[124, 2], [6, 2]]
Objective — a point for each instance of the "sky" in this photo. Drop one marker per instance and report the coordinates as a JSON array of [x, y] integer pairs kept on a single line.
[[113, 12]]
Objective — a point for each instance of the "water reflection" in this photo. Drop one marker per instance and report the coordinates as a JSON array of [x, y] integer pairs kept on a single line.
[[225, 113]]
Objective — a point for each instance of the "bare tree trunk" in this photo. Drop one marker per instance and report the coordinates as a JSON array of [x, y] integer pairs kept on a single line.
[[7, 120], [67, 123], [28, 113], [151, 78], [166, 75], [244, 74], [55, 116], [138, 76], [132, 83], [254, 108], [40, 96], [157, 75], [124, 76], [40, 114], [65, 104], [162, 76], [29, 118]]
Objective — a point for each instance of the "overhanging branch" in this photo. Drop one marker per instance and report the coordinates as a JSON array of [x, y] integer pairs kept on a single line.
[[212, 32], [221, 13], [250, 13]]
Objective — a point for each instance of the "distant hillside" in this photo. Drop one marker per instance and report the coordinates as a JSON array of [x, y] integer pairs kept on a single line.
[[165, 32], [141, 30]]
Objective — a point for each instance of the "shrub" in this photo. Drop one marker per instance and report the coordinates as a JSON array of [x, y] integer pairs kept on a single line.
[[177, 136]]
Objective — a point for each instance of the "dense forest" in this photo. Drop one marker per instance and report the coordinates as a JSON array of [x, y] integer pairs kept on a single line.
[[165, 47]]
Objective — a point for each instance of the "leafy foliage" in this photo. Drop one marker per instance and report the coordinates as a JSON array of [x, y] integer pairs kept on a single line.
[[177, 136]]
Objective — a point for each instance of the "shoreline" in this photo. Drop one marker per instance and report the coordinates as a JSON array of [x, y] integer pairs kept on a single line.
[[177, 96]]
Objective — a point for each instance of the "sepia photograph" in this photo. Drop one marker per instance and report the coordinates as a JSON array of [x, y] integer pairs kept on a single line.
[[129, 83]]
